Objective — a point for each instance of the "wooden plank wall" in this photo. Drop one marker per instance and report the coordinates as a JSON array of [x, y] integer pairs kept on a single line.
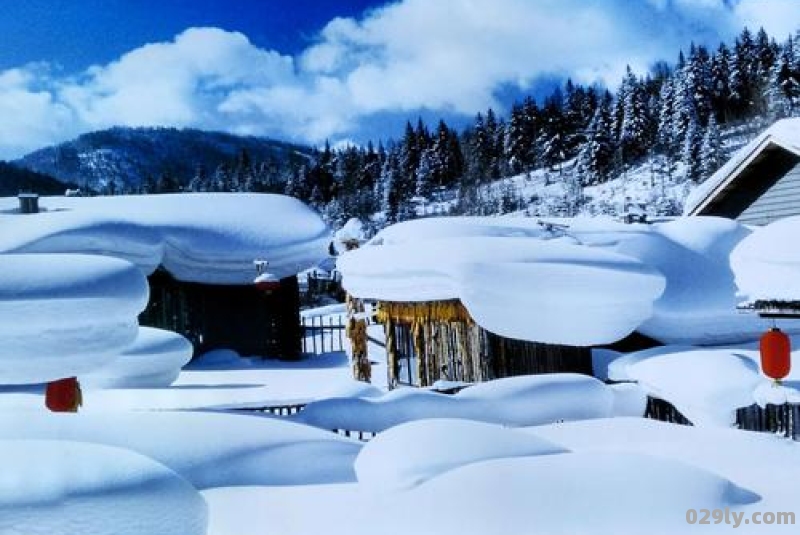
[[780, 200], [458, 351]]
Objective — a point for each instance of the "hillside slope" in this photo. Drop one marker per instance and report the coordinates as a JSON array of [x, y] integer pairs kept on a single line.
[[14, 180], [127, 157]]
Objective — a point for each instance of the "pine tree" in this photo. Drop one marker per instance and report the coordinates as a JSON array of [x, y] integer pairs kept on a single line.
[[517, 143], [711, 156], [635, 129], [597, 154], [720, 87], [784, 86], [742, 69], [691, 150]]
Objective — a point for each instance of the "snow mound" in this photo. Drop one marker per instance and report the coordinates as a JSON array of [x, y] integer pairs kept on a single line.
[[207, 449], [200, 237], [412, 453], [705, 385], [698, 305], [500, 279], [573, 493], [513, 401], [65, 488], [765, 264], [671, 281], [153, 360], [64, 315]]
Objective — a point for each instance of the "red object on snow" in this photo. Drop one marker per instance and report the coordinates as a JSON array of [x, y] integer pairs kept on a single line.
[[776, 357], [63, 395], [267, 283]]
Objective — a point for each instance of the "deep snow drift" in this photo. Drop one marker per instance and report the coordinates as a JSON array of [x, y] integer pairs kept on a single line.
[[513, 401], [207, 449], [767, 267], [63, 315], [58, 487], [589, 281], [154, 359]]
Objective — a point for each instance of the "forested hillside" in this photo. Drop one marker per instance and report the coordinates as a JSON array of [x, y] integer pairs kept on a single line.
[[677, 123]]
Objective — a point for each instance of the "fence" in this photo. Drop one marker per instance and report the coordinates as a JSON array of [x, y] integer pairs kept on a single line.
[[323, 334], [664, 411], [783, 419], [277, 410]]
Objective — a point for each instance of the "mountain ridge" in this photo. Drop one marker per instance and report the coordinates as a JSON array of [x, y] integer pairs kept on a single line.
[[124, 159]]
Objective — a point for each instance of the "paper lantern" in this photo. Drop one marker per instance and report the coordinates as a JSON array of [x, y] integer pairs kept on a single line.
[[63, 395], [267, 283], [775, 350]]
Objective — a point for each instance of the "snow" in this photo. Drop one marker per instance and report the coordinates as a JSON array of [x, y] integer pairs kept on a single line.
[[777, 393], [584, 492], [154, 359], [593, 492], [765, 267], [705, 385], [412, 453], [500, 279], [698, 305], [207, 449], [671, 281], [200, 237], [765, 464], [512, 401], [64, 488], [64, 315], [351, 232]]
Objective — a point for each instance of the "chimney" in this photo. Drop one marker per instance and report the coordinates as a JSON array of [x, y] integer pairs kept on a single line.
[[28, 203]]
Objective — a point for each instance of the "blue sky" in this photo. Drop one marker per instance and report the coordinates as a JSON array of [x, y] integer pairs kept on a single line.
[[311, 70]]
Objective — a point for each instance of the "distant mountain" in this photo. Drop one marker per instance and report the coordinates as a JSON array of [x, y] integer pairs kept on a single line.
[[14, 180], [128, 157]]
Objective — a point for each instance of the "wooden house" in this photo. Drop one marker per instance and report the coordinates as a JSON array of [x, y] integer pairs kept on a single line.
[[438, 340], [199, 252], [238, 317], [759, 184]]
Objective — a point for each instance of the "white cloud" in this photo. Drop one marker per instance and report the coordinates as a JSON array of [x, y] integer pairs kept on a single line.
[[448, 56], [780, 18]]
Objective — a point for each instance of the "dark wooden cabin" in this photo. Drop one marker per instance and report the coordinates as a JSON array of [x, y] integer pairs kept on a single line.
[[761, 183], [431, 341], [237, 317]]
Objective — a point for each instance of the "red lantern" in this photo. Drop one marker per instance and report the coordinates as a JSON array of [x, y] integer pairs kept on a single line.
[[63, 395], [775, 349], [267, 283]]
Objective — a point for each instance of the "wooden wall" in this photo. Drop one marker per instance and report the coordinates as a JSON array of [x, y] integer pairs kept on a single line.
[[240, 318], [767, 190], [421, 352]]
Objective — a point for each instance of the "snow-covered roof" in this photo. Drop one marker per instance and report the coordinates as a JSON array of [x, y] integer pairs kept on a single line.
[[784, 134], [199, 237], [584, 281], [767, 263]]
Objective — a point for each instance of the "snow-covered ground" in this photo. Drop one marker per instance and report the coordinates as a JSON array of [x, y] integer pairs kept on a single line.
[[150, 452]]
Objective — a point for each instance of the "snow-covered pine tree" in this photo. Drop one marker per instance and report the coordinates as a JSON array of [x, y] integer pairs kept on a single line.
[[691, 149], [720, 83], [635, 129], [597, 153], [783, 93], [711, 155]]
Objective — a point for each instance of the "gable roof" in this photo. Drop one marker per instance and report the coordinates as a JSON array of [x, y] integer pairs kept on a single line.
[[784, 134]]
